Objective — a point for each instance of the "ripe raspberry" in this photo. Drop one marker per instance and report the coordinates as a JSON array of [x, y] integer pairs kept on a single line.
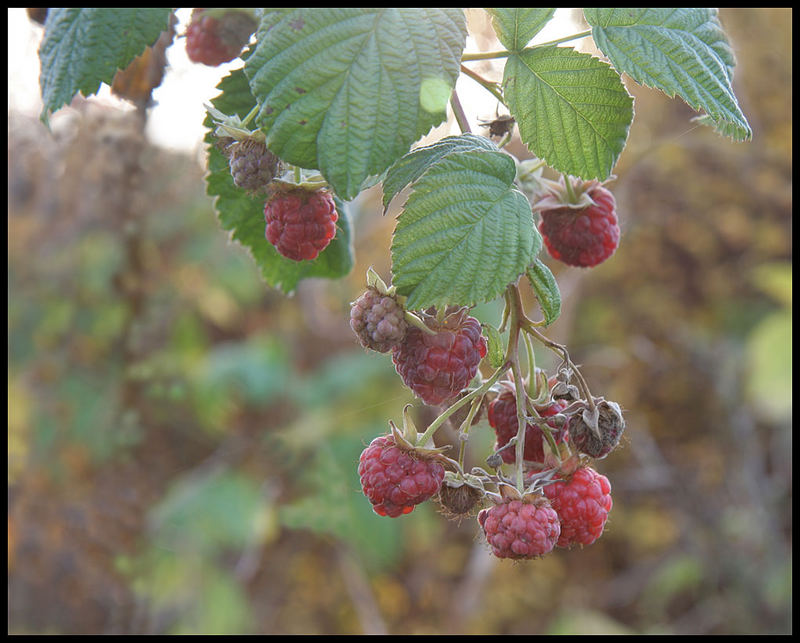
[[503, 419], [300, 223], [252, 165], [610, 425], [378, 321], [520, 529], [216, 40], [581, 237], [582, 503], [437, 367], [396, 479]]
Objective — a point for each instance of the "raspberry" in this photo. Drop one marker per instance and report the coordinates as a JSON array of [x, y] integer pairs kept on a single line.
[[520, 529], [438, 366], [378, 321], [252, 165], [581, 237], [300, 223], [582, 503], [213, 40], [503, 419], [610, 424], [396, 479]]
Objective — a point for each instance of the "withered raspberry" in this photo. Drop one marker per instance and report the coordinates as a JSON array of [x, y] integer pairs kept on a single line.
[[252, 165], [300, 222], [438, 366], [582, 503]]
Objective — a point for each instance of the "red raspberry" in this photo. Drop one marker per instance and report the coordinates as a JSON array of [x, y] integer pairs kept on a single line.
[[581, 237], [437, 367], [378, 321], [218, 39], [503, 419], [520, 529], [582, 503], [396, 479], [300, 223]]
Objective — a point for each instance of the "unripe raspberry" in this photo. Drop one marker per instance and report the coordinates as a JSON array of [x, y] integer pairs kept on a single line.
[[218, 38], [503, 419], [378, 321], [252, 165], [521, 528], [582, 503], [584, 236], [610, 426], [396, 479], [300, 223], [438, 366]]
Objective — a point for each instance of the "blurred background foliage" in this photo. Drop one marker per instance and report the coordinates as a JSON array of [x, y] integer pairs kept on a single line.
[[182, 442]]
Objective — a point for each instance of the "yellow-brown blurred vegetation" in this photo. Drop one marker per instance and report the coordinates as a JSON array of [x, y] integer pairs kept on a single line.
[[183, 441]]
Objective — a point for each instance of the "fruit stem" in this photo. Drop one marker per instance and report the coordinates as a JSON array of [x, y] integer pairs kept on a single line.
[[464, 429], [517, 319], [251, 114], [458, 111], [423, 439], [573, 198], [488, 85]]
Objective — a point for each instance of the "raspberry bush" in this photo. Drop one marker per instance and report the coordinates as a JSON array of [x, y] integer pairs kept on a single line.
[[324, 107]]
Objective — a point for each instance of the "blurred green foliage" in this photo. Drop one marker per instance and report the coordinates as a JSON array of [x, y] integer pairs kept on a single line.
[[183, 442]]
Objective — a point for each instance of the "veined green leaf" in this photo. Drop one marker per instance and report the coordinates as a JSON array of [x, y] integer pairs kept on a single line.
[[414, 164], [465, 232], [349, 90], [243, 215], [82, 48], [678, 51], [546, 289], [516, 26], [572, 109]]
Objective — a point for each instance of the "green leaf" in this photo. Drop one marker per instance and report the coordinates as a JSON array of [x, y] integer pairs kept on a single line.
[[243, 215], [82, 48], [414, 164], [546, 289], [678, 51], [348, 91], [516, 26], [495, 352], [572, 109], [465, 232]]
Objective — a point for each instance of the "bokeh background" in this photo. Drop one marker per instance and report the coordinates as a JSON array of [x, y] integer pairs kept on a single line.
[[182, 441]]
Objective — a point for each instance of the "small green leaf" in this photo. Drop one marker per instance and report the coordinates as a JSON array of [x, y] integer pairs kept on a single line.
[[678, 51], [572, 109], [414, 164], [516, 26], [349, 90], [243, 215], [465, 232], [82, 48], [546, 289], [496, 351]]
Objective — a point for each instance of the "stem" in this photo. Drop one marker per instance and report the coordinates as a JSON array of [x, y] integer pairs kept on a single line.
[[457, 405], [488, 85], [464, 433], [488, 55], [251, 114], [458, 110], [517, 318]]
